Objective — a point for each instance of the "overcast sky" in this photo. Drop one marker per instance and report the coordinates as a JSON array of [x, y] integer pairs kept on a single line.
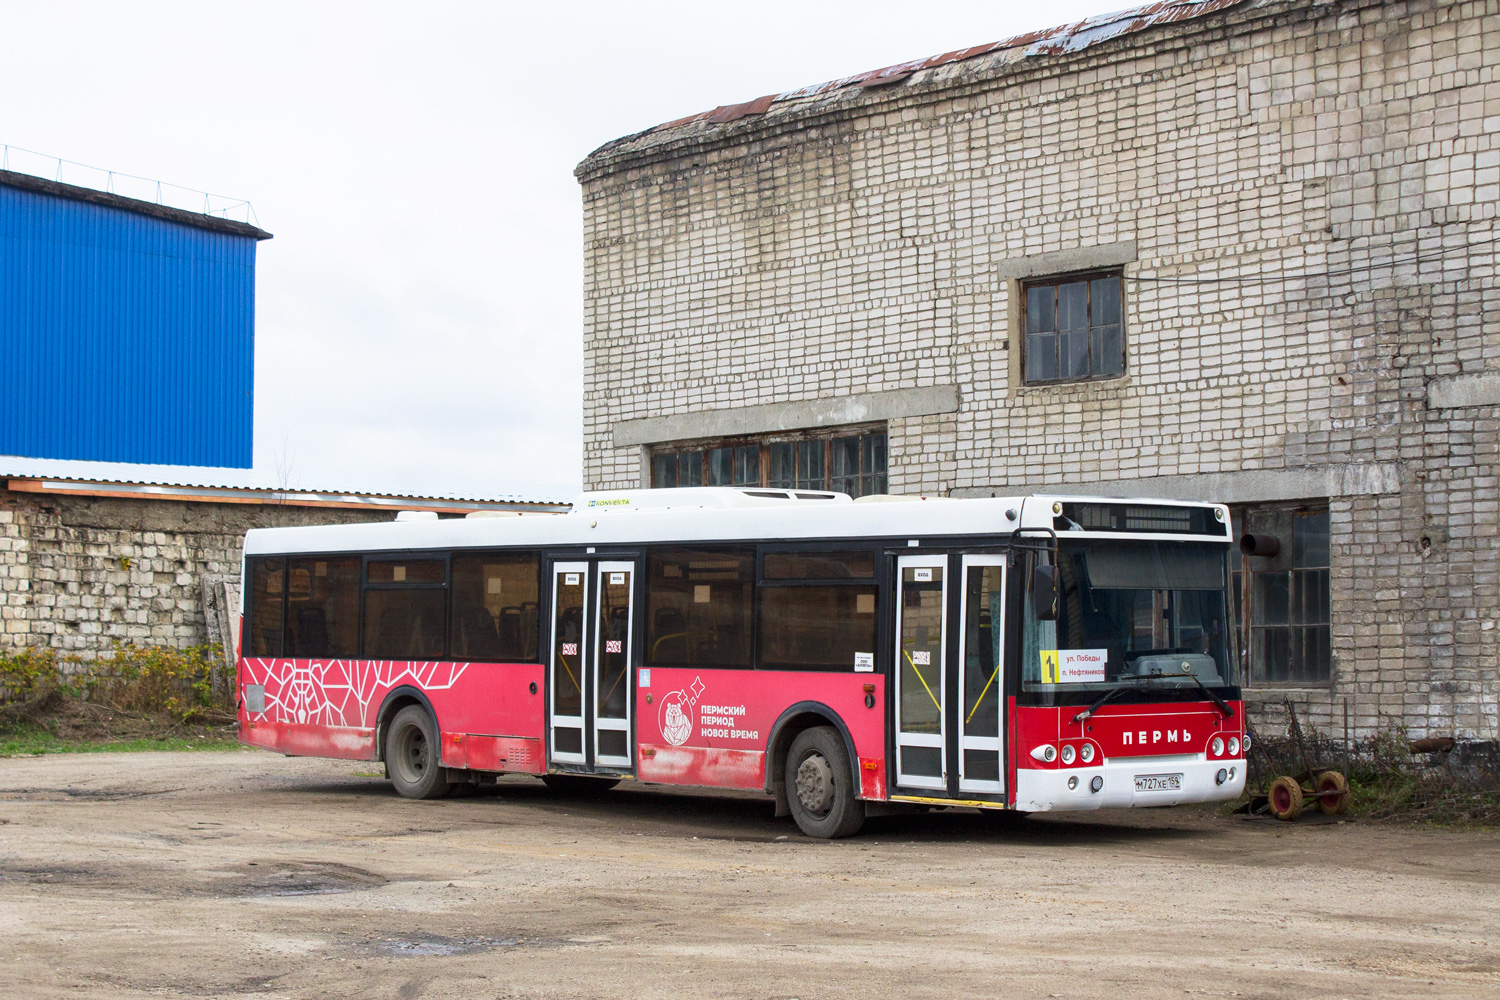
[[420, 309]]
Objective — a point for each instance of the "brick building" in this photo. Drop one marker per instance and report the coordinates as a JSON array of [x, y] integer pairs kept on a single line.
[[86, 564], [1237, 249]]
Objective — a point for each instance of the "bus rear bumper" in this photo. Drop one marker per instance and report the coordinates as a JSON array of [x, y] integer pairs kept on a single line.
[[1195, 776]]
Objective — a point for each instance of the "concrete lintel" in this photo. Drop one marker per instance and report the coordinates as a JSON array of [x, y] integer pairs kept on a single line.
[[1454, 391], [1064, 261], [772, 418], [1242, 486]]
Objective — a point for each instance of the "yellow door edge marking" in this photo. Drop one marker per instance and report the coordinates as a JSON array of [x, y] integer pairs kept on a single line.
[[929, 801]]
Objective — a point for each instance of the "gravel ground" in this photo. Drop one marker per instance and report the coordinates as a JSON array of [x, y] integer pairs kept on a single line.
[[244, 874]]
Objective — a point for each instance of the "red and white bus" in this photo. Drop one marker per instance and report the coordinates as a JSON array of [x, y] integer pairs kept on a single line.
[[1032, 653]]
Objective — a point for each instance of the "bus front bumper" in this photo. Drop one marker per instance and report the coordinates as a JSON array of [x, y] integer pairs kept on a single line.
[[1130, 781]]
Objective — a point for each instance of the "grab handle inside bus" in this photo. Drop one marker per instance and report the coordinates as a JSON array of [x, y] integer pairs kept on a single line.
[[1044, 592]]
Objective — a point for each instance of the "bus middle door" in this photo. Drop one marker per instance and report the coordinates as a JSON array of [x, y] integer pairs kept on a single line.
[[591, 647]]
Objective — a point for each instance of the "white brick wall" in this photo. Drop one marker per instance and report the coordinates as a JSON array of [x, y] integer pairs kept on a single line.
[[852, 245]]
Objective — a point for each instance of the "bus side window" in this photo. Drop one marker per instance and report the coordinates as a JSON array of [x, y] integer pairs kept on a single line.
[[698, 607], [817, 610], [495, 606], [322, 607], [267, 592], [405, 609]]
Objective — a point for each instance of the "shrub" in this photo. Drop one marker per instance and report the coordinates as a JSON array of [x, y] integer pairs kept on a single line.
[[147, 679]]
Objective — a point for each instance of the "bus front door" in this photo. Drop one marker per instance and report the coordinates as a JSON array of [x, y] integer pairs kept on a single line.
[[921, 672], [589, 667], [980, 716], [950, 711]]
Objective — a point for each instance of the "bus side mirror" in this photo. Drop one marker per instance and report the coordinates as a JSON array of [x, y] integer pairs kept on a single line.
[[1044, 592]]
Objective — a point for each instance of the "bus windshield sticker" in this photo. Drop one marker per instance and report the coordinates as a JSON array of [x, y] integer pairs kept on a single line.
[[570, 579], [1073, 666], [645, 677], [921, 657], [864, 662], [923, 575], [615, 579]]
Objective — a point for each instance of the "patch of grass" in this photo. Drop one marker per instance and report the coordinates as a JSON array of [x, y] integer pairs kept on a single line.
[[62, 722], [32, 741]]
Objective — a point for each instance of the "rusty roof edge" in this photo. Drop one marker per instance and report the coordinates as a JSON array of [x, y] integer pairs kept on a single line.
[[167, 213], [1067, 39], [146, 489]]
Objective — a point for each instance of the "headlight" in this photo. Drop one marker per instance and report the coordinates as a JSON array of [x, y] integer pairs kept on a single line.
[[1246, 743], [1087, 752], [1068, 754], [1217, 746], [1234, 746]]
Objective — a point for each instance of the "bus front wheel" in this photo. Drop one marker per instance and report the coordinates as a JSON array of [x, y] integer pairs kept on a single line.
[[819, 786], [412, 755]]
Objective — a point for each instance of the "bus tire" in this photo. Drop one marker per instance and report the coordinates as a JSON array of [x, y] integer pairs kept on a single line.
[[412, 753], [819, 788], [581, 785]]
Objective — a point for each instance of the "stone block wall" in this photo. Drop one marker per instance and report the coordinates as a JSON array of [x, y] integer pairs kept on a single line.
[[80, 574], [1303, 197]]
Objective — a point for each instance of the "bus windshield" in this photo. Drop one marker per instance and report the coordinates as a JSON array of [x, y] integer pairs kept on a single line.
[[1151, 615]]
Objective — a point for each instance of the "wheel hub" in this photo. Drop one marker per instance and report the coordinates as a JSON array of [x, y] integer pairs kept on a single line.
[[412, 758], [815, 784]]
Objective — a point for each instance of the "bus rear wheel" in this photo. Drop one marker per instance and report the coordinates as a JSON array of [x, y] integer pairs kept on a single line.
[[819, 786], [412, 755]]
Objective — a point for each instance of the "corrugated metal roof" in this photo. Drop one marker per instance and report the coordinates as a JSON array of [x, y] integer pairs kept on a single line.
[[238, 485], [1063, 39], [285, 498]]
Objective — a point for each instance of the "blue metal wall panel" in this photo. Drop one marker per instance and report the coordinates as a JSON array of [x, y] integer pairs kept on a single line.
[[123, 338]]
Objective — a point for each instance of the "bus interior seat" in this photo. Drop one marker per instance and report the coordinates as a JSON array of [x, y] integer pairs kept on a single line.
[[530, 622], [619, 623], [477, 634], [310, 635], [511, 632]]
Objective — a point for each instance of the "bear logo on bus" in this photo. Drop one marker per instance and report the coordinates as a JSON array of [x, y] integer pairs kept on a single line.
[[675, 716]]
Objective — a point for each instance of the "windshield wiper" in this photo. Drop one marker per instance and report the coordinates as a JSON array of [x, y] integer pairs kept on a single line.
[[1223, 705], [1098, 704], [1155, 675]]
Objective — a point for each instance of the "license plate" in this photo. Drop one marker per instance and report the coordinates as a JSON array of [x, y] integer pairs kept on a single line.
[[1158, 782]]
